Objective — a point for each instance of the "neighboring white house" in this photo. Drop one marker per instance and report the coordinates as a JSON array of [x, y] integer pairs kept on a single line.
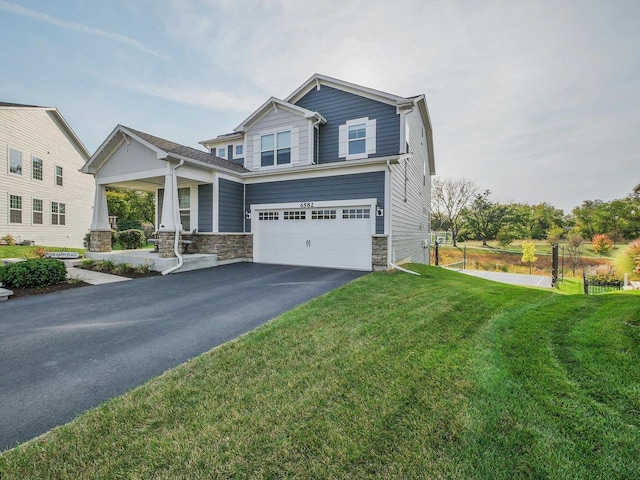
[[44, 198]]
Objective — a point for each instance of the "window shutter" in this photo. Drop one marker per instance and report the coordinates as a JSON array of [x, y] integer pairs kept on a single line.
[[371, 136], [343, 141], [295, 146], [256, 152]]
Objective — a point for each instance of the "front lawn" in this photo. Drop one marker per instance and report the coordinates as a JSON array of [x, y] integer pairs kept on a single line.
[[392, 376], [19, 251]]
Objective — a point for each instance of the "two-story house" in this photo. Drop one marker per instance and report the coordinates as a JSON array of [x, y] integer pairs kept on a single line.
[[44, 198], [335, 175]]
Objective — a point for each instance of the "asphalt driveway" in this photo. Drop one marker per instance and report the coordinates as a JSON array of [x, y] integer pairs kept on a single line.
[[65, 352]]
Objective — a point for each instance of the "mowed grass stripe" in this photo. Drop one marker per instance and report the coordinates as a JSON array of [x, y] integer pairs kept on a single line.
[[391, 376]]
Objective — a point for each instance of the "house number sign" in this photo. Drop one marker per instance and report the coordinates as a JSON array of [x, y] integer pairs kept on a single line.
[[306, 205]]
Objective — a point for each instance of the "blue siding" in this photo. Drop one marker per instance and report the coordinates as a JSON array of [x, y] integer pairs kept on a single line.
[[340, 187], [205, 208], [338, 106], [230, 210]]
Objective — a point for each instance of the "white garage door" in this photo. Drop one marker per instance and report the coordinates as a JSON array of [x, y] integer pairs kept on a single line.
[[334, 237]]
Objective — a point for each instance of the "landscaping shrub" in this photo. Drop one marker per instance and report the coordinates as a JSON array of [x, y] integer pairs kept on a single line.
[[130, 239], [604, 273], [629, 261], [34, 273], [114, 237], [9, 239], [601, 244], [86, 241], [126, 224]]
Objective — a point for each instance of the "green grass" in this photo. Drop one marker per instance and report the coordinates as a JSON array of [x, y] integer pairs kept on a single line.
[[28, 252], [392, 376]]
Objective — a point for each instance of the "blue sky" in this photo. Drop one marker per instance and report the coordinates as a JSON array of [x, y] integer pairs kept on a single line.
[[535, 100]]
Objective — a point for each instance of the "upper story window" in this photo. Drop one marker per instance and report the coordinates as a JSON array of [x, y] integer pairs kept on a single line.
[[275, 149], [15, 209], [15, 161], [222, 152], [238, 151], [357, 138], [36, 168], [58, 176]]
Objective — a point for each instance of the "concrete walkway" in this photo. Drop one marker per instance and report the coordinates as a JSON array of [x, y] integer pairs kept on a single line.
[[94, 278], [511, 278]]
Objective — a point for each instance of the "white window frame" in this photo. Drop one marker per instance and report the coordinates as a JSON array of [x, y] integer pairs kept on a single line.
[[19, 208], [56, 176], [34, 170], [224, 152], [370, 138], [20, 167], [185, 210], [37, 211], [277, 148], [58, 214], [235, 150], [294, 141]]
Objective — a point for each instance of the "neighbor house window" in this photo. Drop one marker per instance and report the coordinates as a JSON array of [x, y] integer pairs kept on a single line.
[[59, 176], [275, 149], [36, 168], [184, 205], [58, 214], [37, 211], [15, 209], [222, 152], [357, 138], [15, 161], [239, 151]]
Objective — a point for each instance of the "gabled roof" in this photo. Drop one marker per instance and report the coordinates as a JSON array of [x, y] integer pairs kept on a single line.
[[164, 149], [57, 114], [317, 80], [637, 188], [226, 137], [274, 102]]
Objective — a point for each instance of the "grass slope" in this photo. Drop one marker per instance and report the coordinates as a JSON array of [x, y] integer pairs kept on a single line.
[[391, 376]]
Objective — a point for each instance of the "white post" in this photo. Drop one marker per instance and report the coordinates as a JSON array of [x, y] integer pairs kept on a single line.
[[100, 211], [169, 204]]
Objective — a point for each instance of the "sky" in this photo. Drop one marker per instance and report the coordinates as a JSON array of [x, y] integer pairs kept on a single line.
[[537, 101]]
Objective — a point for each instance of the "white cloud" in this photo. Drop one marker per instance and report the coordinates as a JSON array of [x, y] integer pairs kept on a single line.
[[78, 27]]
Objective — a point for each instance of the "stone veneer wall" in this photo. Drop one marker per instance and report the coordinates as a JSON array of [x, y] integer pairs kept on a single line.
[[379, 250], [100, 241], [165, 246], [228, 246]]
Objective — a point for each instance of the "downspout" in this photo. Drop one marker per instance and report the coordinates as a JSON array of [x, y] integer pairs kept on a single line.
[[390, 244], [316, 147], [176, 221]]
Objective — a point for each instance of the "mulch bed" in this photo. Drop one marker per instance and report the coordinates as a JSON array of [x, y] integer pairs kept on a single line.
[[58, 287]]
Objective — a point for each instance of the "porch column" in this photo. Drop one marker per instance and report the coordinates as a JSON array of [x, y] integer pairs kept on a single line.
[[100, 228], [169, 205]]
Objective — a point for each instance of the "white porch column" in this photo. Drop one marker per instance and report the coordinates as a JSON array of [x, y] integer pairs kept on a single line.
[[169, 204], [100, 211]]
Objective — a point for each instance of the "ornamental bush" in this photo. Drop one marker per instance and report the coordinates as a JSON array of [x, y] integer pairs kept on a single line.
[[33, 273], [629, 261], [133, 238], [601, 244]]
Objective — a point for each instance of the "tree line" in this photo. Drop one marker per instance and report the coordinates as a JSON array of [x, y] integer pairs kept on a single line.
[[459, 206]]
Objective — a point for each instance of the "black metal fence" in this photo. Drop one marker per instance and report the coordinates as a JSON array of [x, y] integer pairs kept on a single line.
[[594, 287]]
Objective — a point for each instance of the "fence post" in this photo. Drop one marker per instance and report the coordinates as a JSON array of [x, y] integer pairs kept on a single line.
[[464, 258], [584, 281], [437, 262], [554, 264]]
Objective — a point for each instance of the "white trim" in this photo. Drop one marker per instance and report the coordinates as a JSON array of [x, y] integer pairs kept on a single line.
[[126, 177], [370, 138], [274, 102], [215, 203]]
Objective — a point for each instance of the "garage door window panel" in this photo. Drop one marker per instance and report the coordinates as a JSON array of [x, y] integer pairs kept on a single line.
[[269, 216], [356, 213], [295, 215], [323, 214]]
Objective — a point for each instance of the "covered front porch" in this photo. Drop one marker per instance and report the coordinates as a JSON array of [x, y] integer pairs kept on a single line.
[[184, 182]]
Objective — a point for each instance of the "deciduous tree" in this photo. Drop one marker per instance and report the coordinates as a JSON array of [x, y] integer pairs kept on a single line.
[[449, 197]]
